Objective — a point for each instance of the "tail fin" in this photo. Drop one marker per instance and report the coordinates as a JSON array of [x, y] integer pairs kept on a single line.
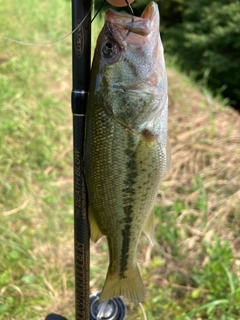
[[131, 286]]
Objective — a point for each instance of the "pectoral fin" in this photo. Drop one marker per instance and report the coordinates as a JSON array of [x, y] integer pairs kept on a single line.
[[95, 232], [149, 227]]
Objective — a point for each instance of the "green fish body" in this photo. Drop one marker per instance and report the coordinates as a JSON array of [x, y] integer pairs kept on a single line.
[[126, 147]]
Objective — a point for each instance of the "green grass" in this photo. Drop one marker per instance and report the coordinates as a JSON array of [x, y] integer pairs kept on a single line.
[[35, 158], [192, 272]]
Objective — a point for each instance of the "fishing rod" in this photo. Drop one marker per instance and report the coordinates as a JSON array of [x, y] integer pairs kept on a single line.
[[81, 60], [81, 56]]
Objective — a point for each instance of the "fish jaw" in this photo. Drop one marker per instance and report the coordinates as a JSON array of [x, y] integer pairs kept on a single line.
[[143, 25], [135, 25]]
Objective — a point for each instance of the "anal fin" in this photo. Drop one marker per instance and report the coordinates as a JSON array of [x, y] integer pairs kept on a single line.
[[149, 227], [95, 232]]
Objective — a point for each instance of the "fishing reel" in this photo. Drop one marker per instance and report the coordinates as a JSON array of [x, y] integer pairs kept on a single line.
[[113, 309]]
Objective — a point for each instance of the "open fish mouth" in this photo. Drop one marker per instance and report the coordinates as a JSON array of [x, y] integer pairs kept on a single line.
[[123, 27], [130, 23], [139, 25]]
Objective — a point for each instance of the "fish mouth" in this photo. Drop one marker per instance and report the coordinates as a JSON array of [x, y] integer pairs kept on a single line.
[[143, 25]]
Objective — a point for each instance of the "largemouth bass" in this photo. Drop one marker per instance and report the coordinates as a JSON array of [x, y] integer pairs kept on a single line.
[[126, 147]]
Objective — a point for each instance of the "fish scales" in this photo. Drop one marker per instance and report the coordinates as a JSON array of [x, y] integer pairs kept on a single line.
[[125, 144]]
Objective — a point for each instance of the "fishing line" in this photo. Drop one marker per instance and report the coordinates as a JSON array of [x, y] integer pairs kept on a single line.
[[50, 42], [130, 8], [99, 9], [102, 4], [143, 311]]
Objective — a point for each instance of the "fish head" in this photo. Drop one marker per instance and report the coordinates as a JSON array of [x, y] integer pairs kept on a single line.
[[131, 70]]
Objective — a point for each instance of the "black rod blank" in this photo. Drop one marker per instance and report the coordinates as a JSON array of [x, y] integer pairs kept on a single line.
[[81, 52]]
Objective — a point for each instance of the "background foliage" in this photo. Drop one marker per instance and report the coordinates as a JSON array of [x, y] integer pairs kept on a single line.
[[205, 37]]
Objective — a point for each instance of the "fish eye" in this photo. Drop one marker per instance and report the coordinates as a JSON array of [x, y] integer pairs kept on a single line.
[[111, 51]]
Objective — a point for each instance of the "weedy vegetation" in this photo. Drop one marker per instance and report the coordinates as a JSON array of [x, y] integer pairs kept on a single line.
[[193, 271]]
